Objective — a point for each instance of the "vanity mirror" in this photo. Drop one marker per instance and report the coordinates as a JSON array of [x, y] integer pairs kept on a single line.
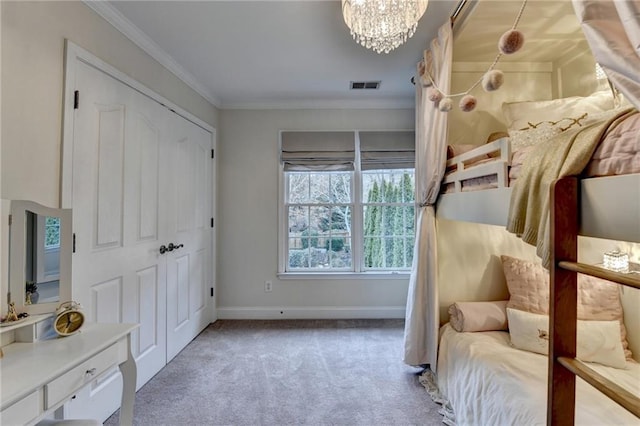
[[40, 244]]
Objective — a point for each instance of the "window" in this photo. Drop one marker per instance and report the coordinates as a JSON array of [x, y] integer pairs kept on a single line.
[[348, 201], [52, 233]]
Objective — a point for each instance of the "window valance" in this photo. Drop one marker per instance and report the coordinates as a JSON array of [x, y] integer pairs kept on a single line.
[[318, 151], [387, 150]]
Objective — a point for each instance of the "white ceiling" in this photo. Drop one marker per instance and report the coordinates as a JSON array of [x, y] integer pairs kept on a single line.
[[273, 54]]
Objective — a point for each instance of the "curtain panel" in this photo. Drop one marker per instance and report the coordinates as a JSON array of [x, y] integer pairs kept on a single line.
[[612, 29], [422, 319]]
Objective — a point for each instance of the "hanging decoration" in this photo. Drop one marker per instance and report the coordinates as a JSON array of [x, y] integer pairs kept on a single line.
[[510, 42]]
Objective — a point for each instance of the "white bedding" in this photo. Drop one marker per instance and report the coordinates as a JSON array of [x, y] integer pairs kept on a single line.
[[488, 382]]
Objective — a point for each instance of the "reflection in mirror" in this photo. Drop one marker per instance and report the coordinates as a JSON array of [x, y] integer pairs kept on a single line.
[[40, 245], [42, 259]]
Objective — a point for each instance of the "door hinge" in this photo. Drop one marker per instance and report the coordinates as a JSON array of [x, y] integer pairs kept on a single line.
[[212, 222], [212, 291], [73, 250], [213, 153], [10, 220], [76, 99]]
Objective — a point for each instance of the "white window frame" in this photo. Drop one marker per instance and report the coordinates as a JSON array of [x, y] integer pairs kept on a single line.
[[357, 233]]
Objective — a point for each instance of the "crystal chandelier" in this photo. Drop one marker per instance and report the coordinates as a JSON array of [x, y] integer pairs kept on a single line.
[[382, 25]]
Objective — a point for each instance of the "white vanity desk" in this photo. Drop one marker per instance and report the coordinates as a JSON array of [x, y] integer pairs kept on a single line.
[[39, 377]]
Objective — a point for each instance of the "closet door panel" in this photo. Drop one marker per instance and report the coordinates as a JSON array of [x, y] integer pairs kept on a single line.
[[118, 273], [187, 266]]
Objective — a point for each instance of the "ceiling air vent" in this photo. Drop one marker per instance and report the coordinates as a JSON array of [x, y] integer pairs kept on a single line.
[[365, 85]]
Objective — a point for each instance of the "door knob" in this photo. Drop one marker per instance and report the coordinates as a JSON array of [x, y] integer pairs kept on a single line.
[[172, 246], [163, 249]]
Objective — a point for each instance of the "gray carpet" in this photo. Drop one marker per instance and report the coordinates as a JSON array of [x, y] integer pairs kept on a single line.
[[311, 372]]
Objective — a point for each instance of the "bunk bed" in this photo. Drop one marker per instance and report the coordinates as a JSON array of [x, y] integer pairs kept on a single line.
[[482, 375], [489, 376]]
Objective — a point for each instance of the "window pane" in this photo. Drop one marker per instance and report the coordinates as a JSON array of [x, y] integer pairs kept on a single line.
[[52, 232], [298, 257], [298, 220], [340, 185], [388, 218], [388, 186], [340, 252], [298, 187], [319, 188]]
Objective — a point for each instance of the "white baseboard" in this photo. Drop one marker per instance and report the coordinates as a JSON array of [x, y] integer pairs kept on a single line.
[[310, 312]]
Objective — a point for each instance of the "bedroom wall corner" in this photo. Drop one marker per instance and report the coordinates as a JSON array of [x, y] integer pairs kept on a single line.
[[469, 265]]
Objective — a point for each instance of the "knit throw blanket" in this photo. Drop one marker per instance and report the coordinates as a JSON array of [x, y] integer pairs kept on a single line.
[[566, 154]]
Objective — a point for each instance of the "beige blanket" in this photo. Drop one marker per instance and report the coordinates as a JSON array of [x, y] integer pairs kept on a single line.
[[566, 154]]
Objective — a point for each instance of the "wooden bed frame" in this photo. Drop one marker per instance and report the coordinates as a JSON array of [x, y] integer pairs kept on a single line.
[[563, 367]]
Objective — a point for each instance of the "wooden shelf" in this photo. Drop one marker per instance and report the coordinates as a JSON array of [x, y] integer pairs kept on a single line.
[[604, 385], [631, 279]]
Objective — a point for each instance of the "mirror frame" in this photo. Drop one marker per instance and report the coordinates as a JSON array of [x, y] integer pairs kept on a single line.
[[17, 255]]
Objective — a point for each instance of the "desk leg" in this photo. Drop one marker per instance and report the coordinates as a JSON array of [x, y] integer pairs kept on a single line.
[[129, 375]]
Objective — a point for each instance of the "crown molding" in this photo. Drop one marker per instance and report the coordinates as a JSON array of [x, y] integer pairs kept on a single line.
[[390, 103], [140, 39]]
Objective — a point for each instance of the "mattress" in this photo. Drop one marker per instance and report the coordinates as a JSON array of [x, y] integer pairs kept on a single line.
[[489, 382]]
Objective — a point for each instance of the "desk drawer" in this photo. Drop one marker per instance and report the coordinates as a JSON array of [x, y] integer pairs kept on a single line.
[[64, 386], [23, 411]]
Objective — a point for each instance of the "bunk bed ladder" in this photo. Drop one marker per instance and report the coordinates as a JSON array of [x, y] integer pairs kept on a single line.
[[563, 367]]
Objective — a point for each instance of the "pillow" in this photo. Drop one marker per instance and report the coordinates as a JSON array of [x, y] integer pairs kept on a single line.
[[478, 316], [528, 285], [598, 341], [494, 137], [518, 115]]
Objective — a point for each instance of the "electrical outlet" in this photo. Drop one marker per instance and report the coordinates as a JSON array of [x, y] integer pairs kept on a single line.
[[268, 286]]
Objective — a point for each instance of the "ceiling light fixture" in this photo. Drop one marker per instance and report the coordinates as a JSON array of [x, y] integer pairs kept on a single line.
[[382, 25]]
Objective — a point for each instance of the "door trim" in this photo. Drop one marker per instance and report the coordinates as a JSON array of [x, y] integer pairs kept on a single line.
[[73, 55]]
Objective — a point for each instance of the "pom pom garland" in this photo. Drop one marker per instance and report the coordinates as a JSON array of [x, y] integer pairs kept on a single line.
[[492, 80], [434, 95], [468, 103], [445, 105], [511, 42]]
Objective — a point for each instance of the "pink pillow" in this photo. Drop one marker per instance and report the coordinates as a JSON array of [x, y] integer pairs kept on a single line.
[[528, 284]]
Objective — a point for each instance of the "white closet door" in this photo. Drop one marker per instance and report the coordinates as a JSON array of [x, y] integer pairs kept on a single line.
[[189, 266], [118, 272]]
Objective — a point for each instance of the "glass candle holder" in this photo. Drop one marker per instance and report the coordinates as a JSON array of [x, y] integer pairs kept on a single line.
[[616, 260]]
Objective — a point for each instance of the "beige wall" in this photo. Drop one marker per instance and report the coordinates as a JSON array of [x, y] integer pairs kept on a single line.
[[248, 211], [33, 35]]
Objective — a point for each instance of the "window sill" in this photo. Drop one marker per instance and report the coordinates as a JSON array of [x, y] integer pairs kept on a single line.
[[344, 275]]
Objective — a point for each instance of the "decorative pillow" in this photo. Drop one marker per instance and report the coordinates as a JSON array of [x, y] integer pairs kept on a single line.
[[518, 115], [598, 299], [478, 316], [598, 341]]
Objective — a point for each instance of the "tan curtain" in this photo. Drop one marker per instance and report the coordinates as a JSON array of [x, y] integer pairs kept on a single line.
[[612, 28], [422, 316]]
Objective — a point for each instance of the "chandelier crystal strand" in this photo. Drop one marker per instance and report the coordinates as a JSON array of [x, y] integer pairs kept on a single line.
[[382, 25]]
